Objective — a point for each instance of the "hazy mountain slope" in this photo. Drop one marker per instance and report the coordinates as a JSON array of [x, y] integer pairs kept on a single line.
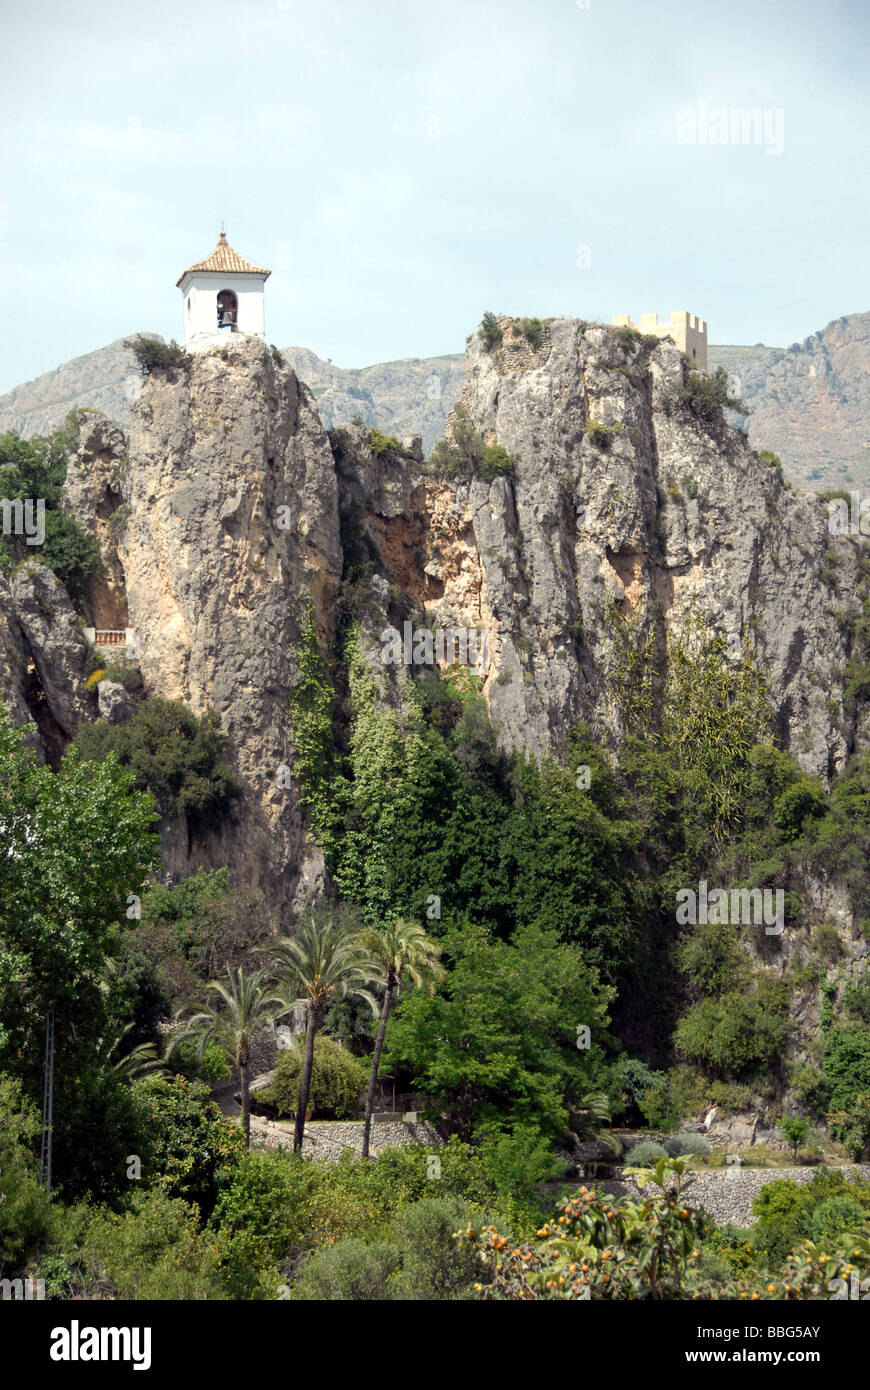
[[811, 403], [107, 380], [411, 396]]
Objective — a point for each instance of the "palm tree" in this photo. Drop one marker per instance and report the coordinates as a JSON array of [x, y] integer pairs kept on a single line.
[[235, 1017], [325, 961], [589, 1115], [402, 951]]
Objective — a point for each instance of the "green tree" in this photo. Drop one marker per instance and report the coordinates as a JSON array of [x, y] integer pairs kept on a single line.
[[735, 1035], [24, 1208], [794, 1130], [188, 1145], [716, 712], [337, 1079], [403, 953], [322, 963], [311, 726], [77, 843], [36, 469], [498, 1043], [180, 758], [490, 331]]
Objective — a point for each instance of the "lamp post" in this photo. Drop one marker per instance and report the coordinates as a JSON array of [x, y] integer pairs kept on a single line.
[[47, 1103]]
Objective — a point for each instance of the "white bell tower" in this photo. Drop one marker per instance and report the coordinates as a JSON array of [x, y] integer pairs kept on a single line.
[[223, 296]]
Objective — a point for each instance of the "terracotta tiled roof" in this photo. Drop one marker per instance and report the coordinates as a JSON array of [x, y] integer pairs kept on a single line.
[[224, 259]]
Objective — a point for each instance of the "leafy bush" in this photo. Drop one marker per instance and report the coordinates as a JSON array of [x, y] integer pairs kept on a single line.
[[856, 998], [187, 935], [496, 462], [338, 1081], [384, 446], [125, 672], [490, 331], [351, 1270], [468, 456], [189, 1140], [154, 355], [794, 1130], [532, 330], [629, 1081], [602, 435], [826, 942], [677, 1144], [435, 1264], [846, 1069], [705, 396], [834, 1217], [35, 469], [811, 1088], [731, 1036], [645, 1154], [822, 1209], [268, 1195], [171, 752], [24, 1207], [153, 1250]]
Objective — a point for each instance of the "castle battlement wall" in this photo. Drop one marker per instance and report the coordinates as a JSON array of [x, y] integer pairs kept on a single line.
[[688, 331]]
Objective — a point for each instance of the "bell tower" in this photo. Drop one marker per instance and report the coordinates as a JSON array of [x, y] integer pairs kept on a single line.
[[222, 296]]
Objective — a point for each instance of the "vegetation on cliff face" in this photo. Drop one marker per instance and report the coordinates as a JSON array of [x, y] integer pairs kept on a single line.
[[182, 759], [423, 816], [35, 469]]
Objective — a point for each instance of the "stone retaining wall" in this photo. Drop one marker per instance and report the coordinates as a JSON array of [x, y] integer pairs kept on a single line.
[[326, 1140], [727, 1193]]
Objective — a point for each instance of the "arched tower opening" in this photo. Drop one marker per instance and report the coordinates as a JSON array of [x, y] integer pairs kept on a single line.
[[227, 309]]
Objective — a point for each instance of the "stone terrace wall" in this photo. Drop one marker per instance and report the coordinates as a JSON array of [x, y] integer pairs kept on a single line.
[[727, 1193], [326, 1140]]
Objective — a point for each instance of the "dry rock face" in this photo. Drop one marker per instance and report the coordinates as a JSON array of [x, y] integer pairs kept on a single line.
[[658, 518], [93, 495], [42, 658], [233, 522]]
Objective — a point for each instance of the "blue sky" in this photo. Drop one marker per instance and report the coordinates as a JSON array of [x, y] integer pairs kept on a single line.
[[403, 166]]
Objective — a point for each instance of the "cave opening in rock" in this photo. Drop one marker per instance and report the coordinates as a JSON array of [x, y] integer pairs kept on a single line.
[[54, 739]]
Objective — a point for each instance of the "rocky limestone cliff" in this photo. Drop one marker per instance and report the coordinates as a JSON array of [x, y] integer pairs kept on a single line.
[[42, 659], [93, 494], [809, 402], [666, 516], [233, 521]]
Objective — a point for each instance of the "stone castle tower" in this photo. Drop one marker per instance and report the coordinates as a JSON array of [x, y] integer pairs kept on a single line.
[[223, 295], [687, 330]]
